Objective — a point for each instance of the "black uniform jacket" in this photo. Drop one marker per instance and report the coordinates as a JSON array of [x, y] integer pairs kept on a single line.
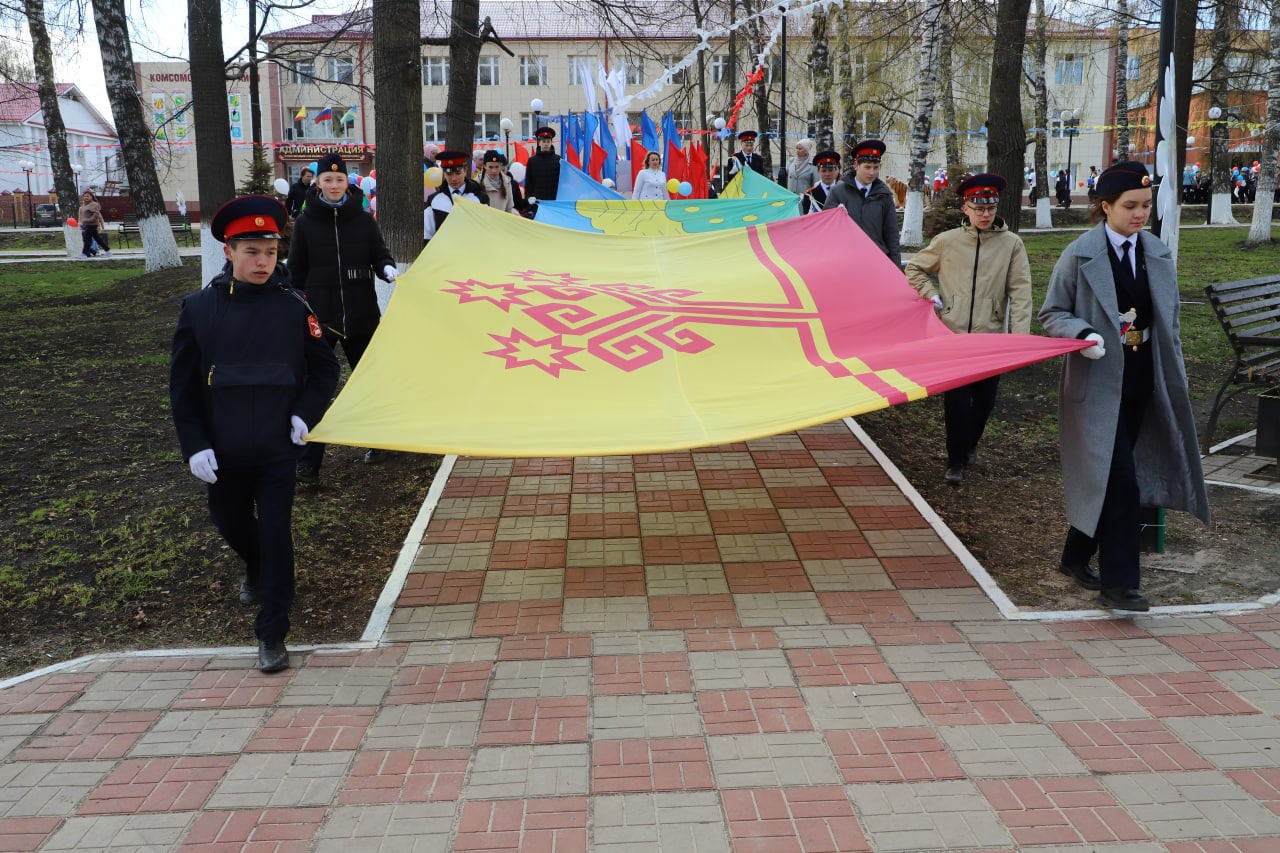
[[542, 176], [245, 359], [334, 254], [741, 159]]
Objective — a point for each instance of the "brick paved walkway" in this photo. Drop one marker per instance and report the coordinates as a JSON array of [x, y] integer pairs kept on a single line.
[[761, 647]]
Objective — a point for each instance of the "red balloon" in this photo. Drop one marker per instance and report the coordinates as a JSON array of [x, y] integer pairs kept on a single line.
[[71, 220], [373, 173]]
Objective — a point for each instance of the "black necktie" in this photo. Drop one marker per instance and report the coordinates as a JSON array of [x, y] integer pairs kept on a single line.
[[1124, 259], [863, 190]]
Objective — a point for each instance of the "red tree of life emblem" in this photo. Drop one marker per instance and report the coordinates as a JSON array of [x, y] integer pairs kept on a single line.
[[625, 325]]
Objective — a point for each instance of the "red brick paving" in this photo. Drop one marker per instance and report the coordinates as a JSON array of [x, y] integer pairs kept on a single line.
[[312, 729], [406, 776], [459, 682], [1043, 659], [660, 764], [619, 675], [148, 785], [545, 825], [88, 736], [780, 576], [692, 611], [1183, 694], [509, 722], [1219, 652], [758, 711], [730, 639], [604, 581], [276, 830], [792, 820], [430, 588], [1067, 810], [1129, 746], [504, 618], [545, 647], [827, 667], [970, 703]]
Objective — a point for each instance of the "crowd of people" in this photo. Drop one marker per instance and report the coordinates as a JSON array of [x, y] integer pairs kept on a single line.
[[254, 360]]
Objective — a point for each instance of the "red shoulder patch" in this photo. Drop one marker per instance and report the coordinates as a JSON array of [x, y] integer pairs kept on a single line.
[[314, 325]]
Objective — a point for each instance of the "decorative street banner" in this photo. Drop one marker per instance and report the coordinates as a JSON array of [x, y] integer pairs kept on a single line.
[[664, 218], [749, 183], [573, 344]]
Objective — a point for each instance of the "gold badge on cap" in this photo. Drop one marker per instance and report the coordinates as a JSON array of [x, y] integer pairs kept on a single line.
[[1146, 180], [259, 221]]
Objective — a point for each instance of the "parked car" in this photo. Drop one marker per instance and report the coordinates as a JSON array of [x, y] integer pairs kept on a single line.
[[47, 216]]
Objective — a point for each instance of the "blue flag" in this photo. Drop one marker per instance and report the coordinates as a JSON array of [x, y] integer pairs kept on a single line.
[[591, 126], [648, 133], [610, 168], [670, 138], [576, 185]]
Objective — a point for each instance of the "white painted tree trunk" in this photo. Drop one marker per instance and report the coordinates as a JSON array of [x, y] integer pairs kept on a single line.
[[921, 128], [1170, 230], [74, 242], [1044, 214], [1220, 210], [157, 240], [913, 219], [212, 260], [1263, 202]]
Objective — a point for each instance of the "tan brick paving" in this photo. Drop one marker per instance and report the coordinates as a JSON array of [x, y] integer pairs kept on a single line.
[[758, 646]]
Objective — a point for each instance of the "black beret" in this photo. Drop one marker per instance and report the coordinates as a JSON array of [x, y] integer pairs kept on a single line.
[[250, 217], [1129, 175], [984, 188], [493, 155], [332, 162]]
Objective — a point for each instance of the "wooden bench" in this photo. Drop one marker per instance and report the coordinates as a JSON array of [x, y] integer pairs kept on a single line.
[[180, 223], [1249, 312]]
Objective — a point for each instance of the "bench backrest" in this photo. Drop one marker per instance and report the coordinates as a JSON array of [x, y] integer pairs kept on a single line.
[[1247, 309]]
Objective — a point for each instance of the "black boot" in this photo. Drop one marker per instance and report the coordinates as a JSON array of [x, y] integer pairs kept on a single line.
[[272, 655]]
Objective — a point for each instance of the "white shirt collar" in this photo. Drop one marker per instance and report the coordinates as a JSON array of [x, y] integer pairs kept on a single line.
[[1116, 240]]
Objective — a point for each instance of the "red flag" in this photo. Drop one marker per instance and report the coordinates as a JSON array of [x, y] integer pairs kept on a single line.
[[677, 164], [638, 153], [698, 171], [522, 153], [597, 160]]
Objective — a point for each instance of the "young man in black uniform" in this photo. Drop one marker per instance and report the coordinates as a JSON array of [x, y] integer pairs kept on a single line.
[[542, 172], [250, 374], [745, 157], [298, 192], [456, 185], [869, 200], [828, 164], [335, 252]]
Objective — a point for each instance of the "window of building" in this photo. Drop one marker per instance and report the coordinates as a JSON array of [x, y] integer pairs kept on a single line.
[[634, 68], [580, 65], [487, 71], [340, 70], [488, 126], [677, 77], [296, 126], [533, 71], [1069, 70], [302, 71], [719, 68], [1133, 69], [433, 127], [775, 68], [435, 71], [858, 65]]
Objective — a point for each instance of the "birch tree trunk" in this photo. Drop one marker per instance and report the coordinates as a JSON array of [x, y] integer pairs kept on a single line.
[[946, 33], [464, 59], [1226, 18], [756, 37], [1264, 201], [398, 87], [926, 100], [1040, 161], [848, 106], [55, 130], [215, 174], [1122, 80], [820, 62], [1007, 136], [160, 249]]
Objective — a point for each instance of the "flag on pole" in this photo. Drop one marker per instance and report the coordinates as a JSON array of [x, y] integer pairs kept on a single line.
[[619, 345], [638, 153], [673, 160], [325, 114], [649, 133], [301, 114], [609, 169], [698, 171], [576, 184], [349, 116], [592, 153]]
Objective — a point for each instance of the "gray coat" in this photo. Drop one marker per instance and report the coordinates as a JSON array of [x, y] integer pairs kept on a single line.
[[1082, 298], [876, 215]]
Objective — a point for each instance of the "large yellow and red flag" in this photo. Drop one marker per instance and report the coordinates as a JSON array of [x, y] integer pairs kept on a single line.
[[510, 338]]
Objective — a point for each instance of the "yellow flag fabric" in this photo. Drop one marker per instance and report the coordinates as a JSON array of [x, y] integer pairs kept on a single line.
[[749, 183], [511, 338], [664, 218]]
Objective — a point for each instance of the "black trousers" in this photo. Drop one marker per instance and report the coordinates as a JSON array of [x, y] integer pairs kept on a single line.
[[89, 234], [965, 412], [253, 510], [1117, 541], [353, 347]]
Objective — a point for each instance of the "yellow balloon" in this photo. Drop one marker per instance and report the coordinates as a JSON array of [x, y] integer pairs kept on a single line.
[[673, 186], [433, 176]]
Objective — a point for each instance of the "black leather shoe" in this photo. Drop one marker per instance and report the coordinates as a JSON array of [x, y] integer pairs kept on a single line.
[[272, 656], [1082, 573], [1121, 598], [248, 595], [307, 473], [972, 457], [374, 456], [954, 475]]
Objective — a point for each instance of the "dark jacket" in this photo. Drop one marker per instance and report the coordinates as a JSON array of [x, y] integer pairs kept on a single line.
[[542, 176], [245, 359], [334, 254], [876, 215], [440, 203], [739, 159], [297, 196]]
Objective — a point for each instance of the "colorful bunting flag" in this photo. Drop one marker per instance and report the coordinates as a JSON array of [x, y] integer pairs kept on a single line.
[[629, 218], [301, 114], [325, 114]]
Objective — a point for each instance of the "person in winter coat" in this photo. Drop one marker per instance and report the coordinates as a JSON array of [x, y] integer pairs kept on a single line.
[[801, 172], [651, 181], [250, 374], [503, 192], [90, 218], [828, 165], [745, 157], [869, 200], [1126, 430], [335, 252], [979, 280], [456, 185], [542, 172], [298, 193], [1062, 188]]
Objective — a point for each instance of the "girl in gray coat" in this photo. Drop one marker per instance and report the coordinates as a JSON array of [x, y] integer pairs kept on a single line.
[[1126, 430]]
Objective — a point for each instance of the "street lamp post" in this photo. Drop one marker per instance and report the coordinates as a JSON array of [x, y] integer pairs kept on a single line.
[[29, 167], [76, 169], [506, 126], [719, 124], [1219, 171], [536, 106], [1069, 128]]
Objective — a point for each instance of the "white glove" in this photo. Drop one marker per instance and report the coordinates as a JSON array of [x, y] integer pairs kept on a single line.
[[203, 464], [937, 302], [1094, 352], [297, 430], [389, 273]]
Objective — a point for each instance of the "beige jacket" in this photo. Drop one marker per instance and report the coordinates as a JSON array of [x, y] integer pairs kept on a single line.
[[984, 279], [90, 214]]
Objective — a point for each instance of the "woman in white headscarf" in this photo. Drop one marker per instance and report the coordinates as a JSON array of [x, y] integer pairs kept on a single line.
[[801, 173]]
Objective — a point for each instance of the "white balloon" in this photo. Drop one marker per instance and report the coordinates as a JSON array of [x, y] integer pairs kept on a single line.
[[368, 184], [608, 182], [282, 186], [517, 171]]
